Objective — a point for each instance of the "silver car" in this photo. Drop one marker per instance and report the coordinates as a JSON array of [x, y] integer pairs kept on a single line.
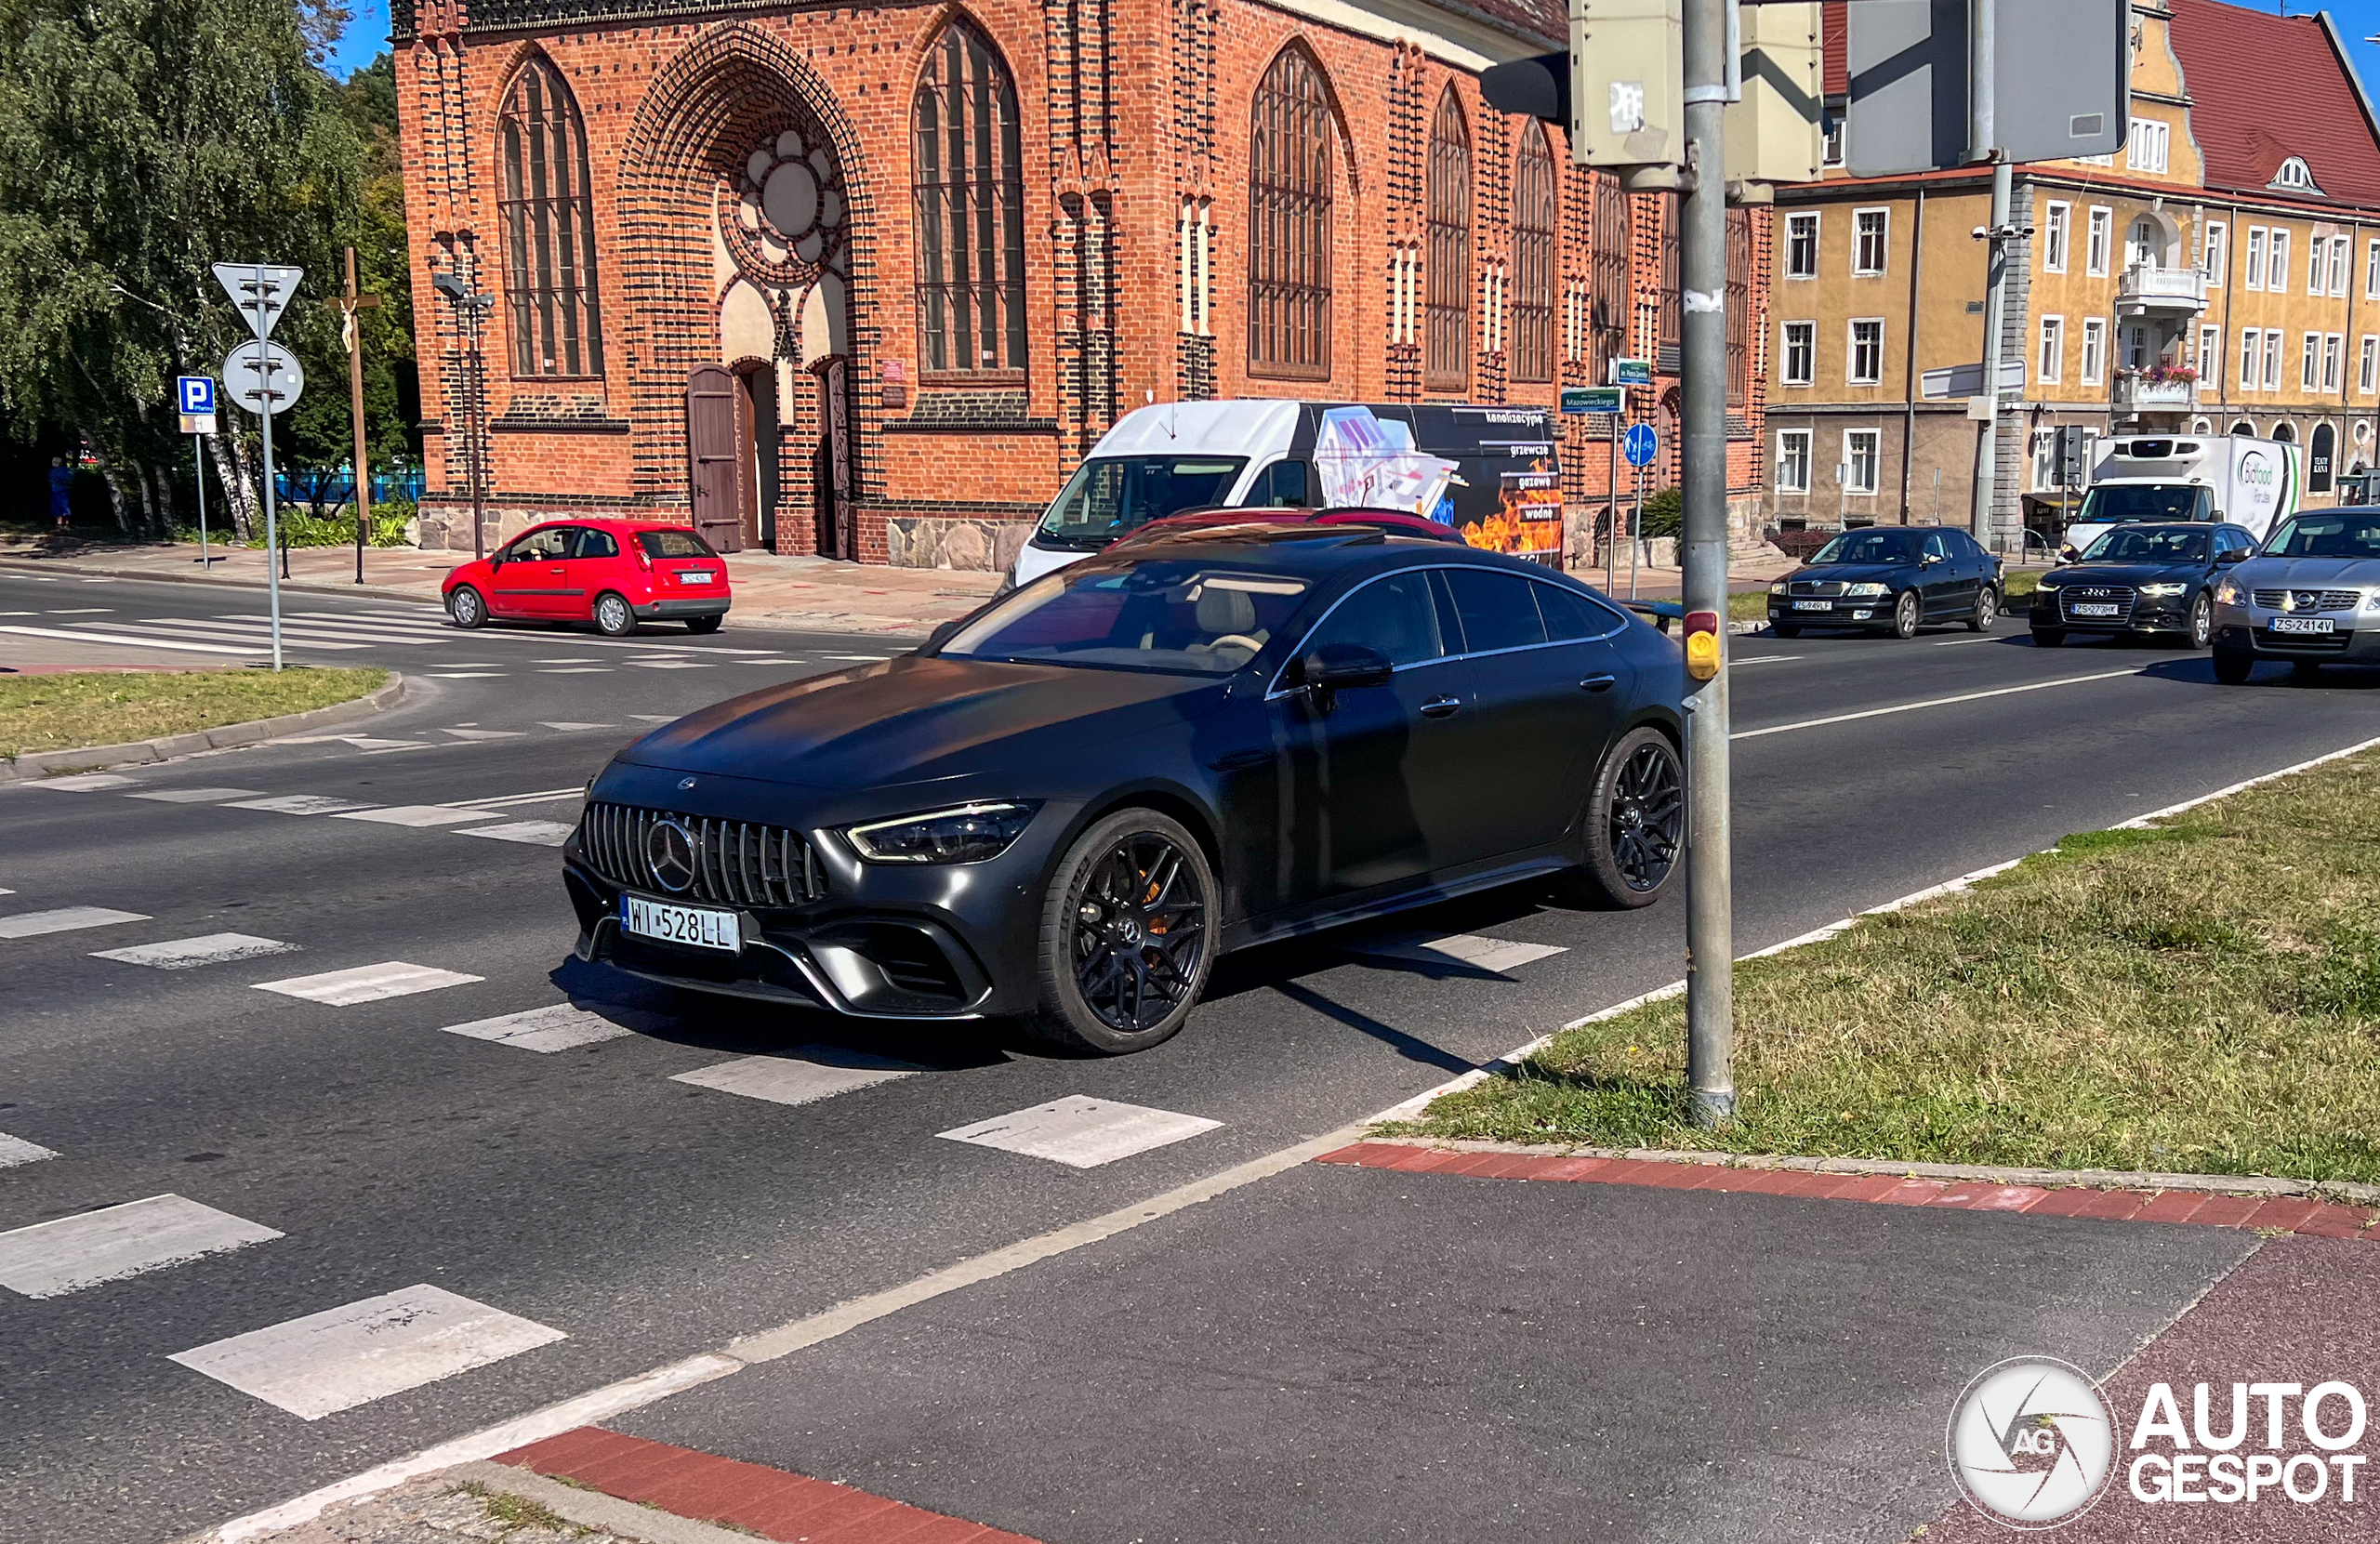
[[2310, 596]]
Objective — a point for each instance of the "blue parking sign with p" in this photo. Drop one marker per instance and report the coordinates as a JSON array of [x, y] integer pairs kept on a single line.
[[197, 392]]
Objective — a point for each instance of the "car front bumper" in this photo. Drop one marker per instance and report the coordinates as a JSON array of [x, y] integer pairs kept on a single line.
[[674, 610], [2250, 627], [1866, 611], [2148, 613]]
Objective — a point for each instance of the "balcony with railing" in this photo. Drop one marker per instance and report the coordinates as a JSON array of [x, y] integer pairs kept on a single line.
[[2157, 388], [2148, 288]]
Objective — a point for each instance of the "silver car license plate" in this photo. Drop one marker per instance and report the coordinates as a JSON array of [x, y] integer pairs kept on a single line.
[[2095, 608], [2301, 623], [697, 925], [1814, 605]]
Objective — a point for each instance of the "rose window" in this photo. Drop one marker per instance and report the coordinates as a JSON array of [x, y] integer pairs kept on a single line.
[[783, 210]]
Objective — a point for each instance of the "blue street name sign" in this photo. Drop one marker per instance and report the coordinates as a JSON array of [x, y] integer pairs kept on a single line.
[[197, 392], [1632, 372], [1641, 445], [1592, 398]]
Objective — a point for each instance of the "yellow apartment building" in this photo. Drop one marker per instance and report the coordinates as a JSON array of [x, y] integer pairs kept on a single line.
[[2221, 274]]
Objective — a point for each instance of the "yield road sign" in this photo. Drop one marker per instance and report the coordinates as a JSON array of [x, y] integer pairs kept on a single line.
[[263, 377], [1641, 445], [260, 292], [196, 393]]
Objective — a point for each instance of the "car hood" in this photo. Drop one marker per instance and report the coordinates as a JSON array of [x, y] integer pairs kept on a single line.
[[916, 718], [2309, 572], [1853, 574], [2125, 573]]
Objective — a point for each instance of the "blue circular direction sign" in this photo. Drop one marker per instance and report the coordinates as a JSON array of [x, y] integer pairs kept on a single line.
[[1641, 445]]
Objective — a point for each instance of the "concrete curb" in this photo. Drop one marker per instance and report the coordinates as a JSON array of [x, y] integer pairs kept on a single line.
[[301, 586], [592, 1509], [42, 763], [2090, 1179]]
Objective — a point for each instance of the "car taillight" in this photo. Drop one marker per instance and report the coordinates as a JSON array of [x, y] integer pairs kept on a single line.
[[644, 559]]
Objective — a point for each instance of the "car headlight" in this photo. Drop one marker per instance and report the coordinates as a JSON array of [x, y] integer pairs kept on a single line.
[[969, 834], [1777, 588], [2163, 589], [2229, 593], [1863, 590], [2372, 601]]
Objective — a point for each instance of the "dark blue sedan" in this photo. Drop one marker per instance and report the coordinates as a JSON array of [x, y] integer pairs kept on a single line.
[[1890, 579]]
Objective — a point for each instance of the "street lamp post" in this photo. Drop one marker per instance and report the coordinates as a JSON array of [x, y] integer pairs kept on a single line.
[[470, 308]]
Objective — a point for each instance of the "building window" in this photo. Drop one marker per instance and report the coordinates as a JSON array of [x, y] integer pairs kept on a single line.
[[2295, 176], [2314, 250], [2334, 360], [967, 197], [1831, 154], [1793, 461], [2102, 237], [2257, 235], [1867, 351], [1860, 458], [549, 216], [2054, 235], [1739, 306], [2367, 370], [1446, 314], [2305, 367], [2218, 252], [1802, 245], [2272, 359], [2050, 368], [1799, 356], [2149, 145], [1535, 259], [2277, 271], [2095, 350], [1672, 313], [2251, 344], [1867, 231], [2342, 260], [1290, 221], [1610, 247], [2210, 355]]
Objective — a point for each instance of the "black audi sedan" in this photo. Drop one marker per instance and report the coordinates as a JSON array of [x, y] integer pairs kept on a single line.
[[2141, 580], [1892, 579], [1065, 807]]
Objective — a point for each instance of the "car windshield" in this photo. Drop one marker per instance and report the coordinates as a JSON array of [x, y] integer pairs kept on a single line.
[[673, 544], [2112, 506], [1116, 494], [1869, 547], [2156, 545], [1175, 616], [2333, 533]]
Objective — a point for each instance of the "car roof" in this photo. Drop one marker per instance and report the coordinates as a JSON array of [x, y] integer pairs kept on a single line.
[[1319, 553]]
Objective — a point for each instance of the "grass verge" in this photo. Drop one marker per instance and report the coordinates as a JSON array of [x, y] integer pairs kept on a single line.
[[2201, 998], [75, 709]]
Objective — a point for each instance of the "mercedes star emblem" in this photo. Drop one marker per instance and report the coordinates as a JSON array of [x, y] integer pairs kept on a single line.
[[670, 853]]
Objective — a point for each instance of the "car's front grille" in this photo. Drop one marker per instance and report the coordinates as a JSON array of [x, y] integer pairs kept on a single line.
[[2070, 597], [2310, 599], [734, 862], [2312, 643], [1816, 587]]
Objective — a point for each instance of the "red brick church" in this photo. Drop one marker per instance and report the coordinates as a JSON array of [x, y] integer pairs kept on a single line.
[[869, 281]]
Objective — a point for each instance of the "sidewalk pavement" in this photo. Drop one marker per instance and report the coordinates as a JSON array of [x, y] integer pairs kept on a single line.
[[803, 594]]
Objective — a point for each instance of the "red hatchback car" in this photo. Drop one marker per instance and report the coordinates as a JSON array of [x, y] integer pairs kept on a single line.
[[613, 573]]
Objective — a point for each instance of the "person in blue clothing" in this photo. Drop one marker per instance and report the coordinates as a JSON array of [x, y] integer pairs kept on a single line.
[[61, 479]]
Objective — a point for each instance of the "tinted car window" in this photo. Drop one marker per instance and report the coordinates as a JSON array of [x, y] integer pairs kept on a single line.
[[1171, 615], [597, 543], [1395, 614], [1281, 485], [1935, 547], [539, 546], [1569, 614], [673, 544], [1497, 609], [2106, 506], [2153, 544], [2348, 534], [1869, 547]]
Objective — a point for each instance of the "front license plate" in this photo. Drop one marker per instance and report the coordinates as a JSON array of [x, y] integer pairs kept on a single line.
[[697, 925], [2095, 608], [2301, 623], [1814, 605]]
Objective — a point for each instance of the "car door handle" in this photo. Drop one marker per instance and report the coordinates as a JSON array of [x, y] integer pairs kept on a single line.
[[1441, 707], [1598, 683]]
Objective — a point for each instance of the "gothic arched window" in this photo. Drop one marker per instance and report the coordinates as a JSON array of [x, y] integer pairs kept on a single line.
[[1536, 263], [1446, 309], [1289, 221], [968, 187], [548, 216]]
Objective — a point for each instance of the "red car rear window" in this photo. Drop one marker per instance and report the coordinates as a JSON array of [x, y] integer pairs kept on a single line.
[[674, 544]]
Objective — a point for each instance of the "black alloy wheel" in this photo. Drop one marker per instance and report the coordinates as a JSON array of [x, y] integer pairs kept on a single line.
[[2233, 665], [1126, 935], [1906, 614], [466, 608], [1634, 825], [1987, 610], [2199, 630]]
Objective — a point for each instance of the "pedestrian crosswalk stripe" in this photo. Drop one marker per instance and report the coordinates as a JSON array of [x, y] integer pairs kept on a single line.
[[807, 1074], [86, 635], [1081, 1131], [567, 727], [17, 1150], [654, 717], [367, 984], [181, 954], [1455, 952], [413, 814], [579, 670], [300, 804], [493, 801], [65, 919], [671, 663], [869, 657], [560, 1027], [86, 782], [260, 634], [49, 1260], [540, 833], [79, 610], [351, 1355], [570, 659], [486, 733], [467, 675], [197, 796]]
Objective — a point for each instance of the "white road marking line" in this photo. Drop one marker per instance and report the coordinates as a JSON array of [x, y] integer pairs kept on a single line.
[[572, 659], [467, 675], [536, 637], [4, 891], [343, 1357], [167, 628], [560, 1028], [300, 804], [539, 833], [494, 801], [1081, 1131], [579, 670], [17, 1150], [1954, 643], [1936, 702], [181, 954], [855, 657], [79, 610], [654, 717], [82, 636], [413, 814], [807, 1074], [1465, 950], [197, 796], [486, 733], [65, 919], [1766, 659], [367, 984], [569, 728], [671, 663], [20, 614], [52, 1259], [86, 782]]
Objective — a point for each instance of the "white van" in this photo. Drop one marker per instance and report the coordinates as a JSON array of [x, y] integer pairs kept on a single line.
[[1490, 473], [2189, 477]]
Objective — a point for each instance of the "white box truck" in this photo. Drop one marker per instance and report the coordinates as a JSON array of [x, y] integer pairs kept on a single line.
[[2202, 477]]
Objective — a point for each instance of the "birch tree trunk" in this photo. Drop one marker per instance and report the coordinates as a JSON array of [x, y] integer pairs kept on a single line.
[[114, 483], [239, 493]]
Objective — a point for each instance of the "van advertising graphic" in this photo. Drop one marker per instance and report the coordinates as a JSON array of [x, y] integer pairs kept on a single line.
[[1527, 521], [1366, 462]]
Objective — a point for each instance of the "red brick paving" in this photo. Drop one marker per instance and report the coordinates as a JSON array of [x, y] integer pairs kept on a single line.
[[2287, 1213]]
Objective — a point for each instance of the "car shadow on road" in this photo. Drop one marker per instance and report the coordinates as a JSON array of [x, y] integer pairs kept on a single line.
[[2199, 670]]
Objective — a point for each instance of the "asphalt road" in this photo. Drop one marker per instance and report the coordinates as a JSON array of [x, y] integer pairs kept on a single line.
[[590, 1191]]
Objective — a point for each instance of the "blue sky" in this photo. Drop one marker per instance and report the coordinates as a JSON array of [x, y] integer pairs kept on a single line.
[[367, 35]]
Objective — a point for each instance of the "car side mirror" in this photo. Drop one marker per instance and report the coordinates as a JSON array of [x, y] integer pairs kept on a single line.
[[1337, 665], [1929, 559], [2230, 556]]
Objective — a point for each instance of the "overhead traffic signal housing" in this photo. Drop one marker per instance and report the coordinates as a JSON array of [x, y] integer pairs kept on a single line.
[[1627, 89], [1775, 131]]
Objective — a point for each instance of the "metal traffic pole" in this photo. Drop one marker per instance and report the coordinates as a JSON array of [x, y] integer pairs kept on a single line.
[[1611, 525], [1983, 145], [1709, 927], [272, 504], [1636, 533], [198, 455]]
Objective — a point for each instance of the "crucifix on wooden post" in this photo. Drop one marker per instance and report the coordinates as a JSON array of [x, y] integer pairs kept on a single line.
[[348, 304]]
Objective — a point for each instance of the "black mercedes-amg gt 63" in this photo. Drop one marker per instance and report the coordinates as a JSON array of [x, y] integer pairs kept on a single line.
[[1065, 806]]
